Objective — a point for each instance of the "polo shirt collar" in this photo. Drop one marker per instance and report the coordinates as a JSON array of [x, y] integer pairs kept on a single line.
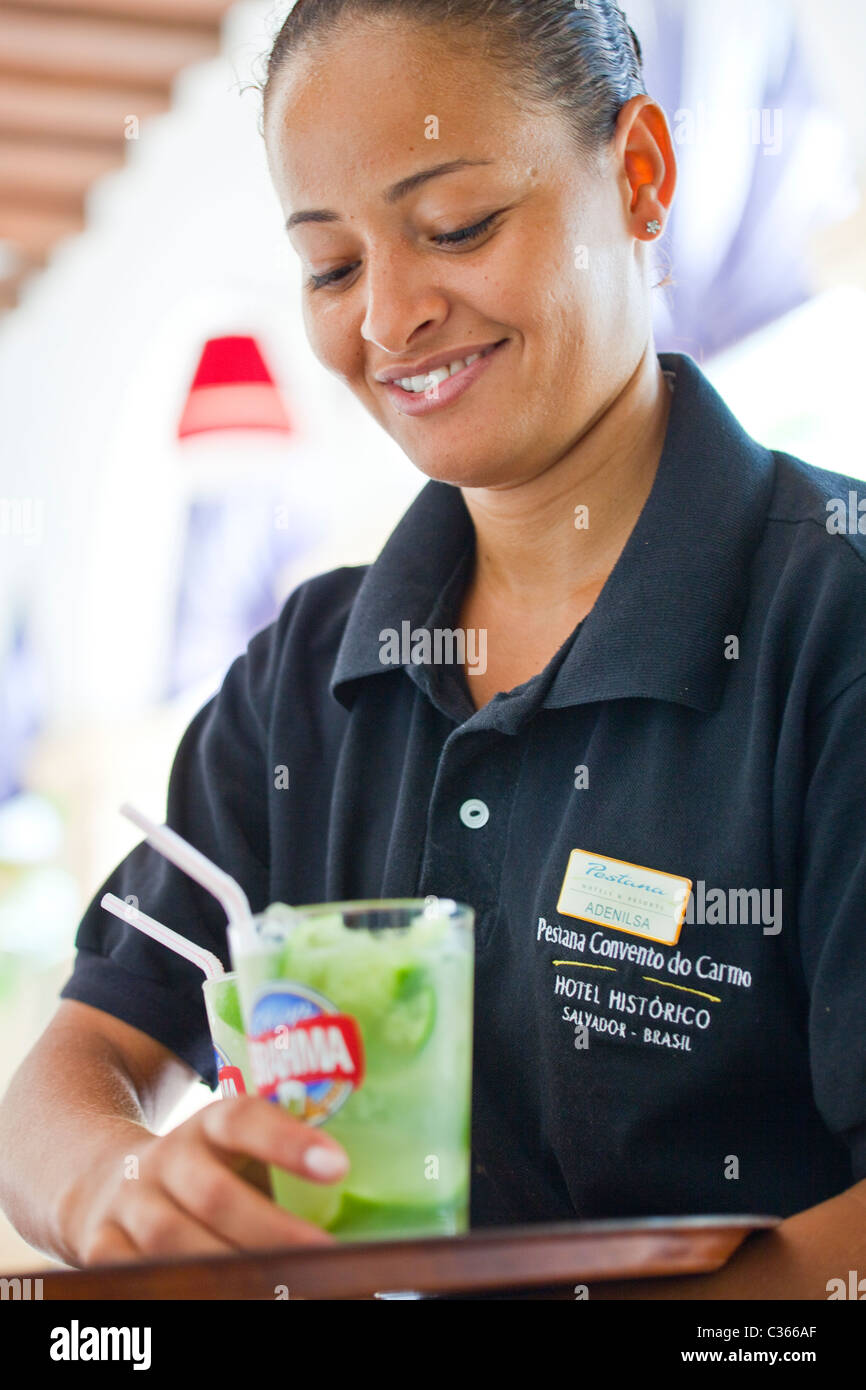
[[677, 591]]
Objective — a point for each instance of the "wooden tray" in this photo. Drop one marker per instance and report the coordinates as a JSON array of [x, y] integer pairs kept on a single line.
[[580, 1252]]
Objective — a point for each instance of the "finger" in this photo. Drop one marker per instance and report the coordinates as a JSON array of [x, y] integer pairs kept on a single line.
[[110, 1245], [159, 1226], [220, 1199], [252, 1126]]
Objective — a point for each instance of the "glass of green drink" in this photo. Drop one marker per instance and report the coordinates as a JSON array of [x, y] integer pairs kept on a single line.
[[227, 1032], [359, 1018]]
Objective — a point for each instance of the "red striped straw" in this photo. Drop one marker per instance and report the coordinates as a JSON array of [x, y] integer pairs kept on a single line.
[[205, 960], [224, 888]]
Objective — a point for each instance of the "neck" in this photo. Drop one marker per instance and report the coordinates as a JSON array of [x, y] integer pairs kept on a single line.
[[532, 551]]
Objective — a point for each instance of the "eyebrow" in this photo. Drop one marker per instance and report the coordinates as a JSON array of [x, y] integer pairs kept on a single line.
[[395, 192]]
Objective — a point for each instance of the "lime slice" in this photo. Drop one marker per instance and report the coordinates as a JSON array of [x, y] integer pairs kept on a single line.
[[360, 981], [227, 1005], [380, 981], [315, 1202], [411, 1018], [359, 1214], [360, 1217]]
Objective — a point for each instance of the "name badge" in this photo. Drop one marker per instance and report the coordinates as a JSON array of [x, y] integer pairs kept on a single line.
[[626, 897]]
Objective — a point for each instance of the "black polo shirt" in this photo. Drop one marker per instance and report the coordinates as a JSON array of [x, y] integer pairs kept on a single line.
[[706, 721]]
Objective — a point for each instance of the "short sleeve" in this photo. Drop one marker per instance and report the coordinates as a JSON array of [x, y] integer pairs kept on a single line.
[[217, 800], [832, 916]]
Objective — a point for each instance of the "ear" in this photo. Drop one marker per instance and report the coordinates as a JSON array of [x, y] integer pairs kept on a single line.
[[645, 150]]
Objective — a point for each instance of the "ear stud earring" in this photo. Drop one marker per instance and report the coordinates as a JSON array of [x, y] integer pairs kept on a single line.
[[654, 227]]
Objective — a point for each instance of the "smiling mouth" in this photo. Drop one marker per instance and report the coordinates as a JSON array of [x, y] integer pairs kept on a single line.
[[424, 382]]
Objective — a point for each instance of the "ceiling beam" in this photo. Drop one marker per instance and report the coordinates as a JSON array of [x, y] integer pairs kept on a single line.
[[64, 111], [10, 287], [34, 232], [105, 52], [72, 75], [206, 14], [39, 173]]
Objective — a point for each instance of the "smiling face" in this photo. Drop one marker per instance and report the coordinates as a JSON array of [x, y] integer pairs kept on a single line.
[[520, 244]]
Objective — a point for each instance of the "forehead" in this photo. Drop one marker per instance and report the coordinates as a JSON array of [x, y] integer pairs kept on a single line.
[[348, 112]]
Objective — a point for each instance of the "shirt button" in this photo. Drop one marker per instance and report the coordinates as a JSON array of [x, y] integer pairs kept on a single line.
[[474, 814]]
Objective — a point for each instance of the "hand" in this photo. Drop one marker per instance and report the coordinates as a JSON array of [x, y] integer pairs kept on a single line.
[[192, 1195]]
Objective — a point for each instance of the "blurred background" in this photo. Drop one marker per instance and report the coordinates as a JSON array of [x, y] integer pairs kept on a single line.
[[174, 461]]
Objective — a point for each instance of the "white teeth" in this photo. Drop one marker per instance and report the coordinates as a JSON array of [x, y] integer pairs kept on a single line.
[[417, 384]]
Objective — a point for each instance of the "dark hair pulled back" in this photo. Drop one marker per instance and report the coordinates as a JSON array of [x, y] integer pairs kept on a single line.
[[582, 58]]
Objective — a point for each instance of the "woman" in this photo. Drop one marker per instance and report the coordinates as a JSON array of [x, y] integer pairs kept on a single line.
[[662, 683]]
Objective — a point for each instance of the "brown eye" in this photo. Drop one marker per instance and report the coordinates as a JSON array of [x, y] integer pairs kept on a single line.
[[330, 277], [466, 233]]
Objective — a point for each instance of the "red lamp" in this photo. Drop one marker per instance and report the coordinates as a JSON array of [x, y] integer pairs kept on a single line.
[[233, 389]]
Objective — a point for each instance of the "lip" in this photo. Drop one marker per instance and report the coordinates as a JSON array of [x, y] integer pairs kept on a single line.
[[419, 403], [429, 364]]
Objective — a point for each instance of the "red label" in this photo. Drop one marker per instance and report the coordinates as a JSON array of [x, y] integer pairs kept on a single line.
[[327, 1047], [231, 1082]]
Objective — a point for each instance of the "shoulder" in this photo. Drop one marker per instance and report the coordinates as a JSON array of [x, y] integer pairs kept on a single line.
[[311, 621], [821, 505], [812, 568], [293, 657], [317, 610], [816, 522]]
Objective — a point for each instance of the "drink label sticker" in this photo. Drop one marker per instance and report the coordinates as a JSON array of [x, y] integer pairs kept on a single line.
[[304, 1054], [231, 1082], [626, 897]]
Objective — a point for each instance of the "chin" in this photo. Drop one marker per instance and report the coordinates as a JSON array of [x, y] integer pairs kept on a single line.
[[492, 468], [468, 475], [479, 465]]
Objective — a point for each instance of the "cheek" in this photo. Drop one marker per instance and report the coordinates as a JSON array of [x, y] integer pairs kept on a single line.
[[311, 325], [329, 336], [543, 280]]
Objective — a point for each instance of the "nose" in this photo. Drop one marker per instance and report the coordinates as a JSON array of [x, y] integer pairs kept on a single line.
[[402, 299]]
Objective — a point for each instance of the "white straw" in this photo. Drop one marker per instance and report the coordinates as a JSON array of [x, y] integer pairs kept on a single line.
[[205, 960], [198, 866]]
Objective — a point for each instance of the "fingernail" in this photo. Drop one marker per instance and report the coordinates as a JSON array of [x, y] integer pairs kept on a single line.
[[324, 1163]]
